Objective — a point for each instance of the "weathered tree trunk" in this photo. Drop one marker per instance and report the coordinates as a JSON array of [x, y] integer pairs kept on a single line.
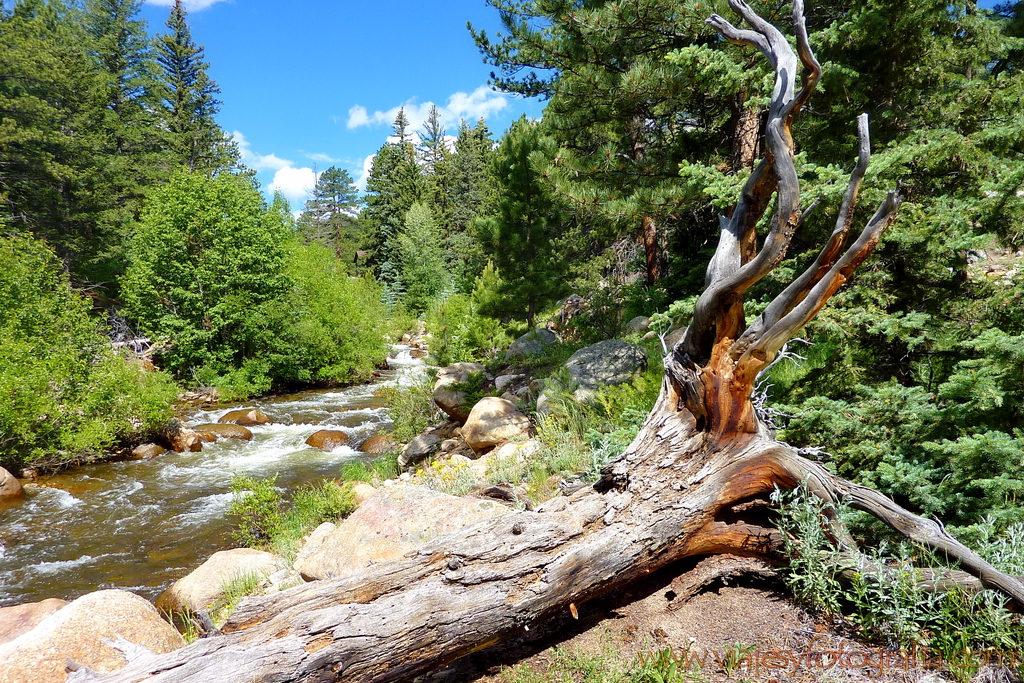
[[683, 487]]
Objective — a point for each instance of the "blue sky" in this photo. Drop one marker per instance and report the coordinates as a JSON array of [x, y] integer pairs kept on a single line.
[[317, 83], [313, 84]]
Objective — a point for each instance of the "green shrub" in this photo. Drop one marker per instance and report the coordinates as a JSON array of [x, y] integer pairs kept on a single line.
[[67, 396], [412, 408], [886, 600], [257, 505], [264, 520]]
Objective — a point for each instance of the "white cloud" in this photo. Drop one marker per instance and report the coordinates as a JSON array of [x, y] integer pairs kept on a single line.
[[322, 158], [258, 162], [295, 184], [365, 173], [480, 103], [190, 5]]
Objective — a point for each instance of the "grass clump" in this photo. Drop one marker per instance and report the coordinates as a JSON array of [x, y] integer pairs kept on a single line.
[[579, 438], [264, 520], [375, 471]]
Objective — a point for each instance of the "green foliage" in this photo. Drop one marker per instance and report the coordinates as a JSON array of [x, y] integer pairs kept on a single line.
[[373, 471], [886, 600], [233, 590], [423, 272], [207, 271], [520, 235], [240, 303], [578, 439], [256, 504], [264, 520], [461, 332], [412, 408], [337, 326], [67, 394], [330, 214]]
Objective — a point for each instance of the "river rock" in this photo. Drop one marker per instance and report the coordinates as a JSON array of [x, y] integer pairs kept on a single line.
[[494, 421], [381, 443], [362, 492], [612, 361], [638, 324], [247, 417], [79, 631], [180, 438], [148, 451], [204, 587], [417, 353], [532, 343], [501, 382], [327, 439], [18, 619], [419, 449], [10, 487], [450, 393], [224, 431], [394, 521]]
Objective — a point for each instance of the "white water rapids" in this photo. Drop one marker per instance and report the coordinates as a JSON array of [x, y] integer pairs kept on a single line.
[[142, 524]]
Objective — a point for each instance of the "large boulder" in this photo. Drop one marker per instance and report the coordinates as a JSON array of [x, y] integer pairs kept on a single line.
[[204, 587], [18, 619], [450, 389], [224, 431], [327, 439], [392, 522], [80, 633], [180, 438], [10, 487], [381, 443], [532, 343], [419, 449], [494, 421], [247, 417], [612, 361]]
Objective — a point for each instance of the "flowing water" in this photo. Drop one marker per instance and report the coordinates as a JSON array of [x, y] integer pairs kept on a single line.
[[142, 524]]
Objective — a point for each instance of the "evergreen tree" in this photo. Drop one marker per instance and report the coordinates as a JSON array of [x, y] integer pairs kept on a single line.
[[330, 216], [394, 184], [188, 100], [424, 273], [53, 146], [520, 235]]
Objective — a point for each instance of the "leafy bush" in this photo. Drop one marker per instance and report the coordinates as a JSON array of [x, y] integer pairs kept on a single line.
[[461, 332], [67, 394], [412, 408], [374, 471], [239, 301], [886, 600], [257, 504]]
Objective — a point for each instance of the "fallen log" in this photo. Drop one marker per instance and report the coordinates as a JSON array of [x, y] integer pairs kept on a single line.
[[686, 486]]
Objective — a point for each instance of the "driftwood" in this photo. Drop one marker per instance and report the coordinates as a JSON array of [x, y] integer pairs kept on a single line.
[[687, 485]]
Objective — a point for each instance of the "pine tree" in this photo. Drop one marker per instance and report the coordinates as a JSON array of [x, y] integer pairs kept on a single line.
[[520, 235], [424, 273], [330, 216], [394, 184], [188, 99]]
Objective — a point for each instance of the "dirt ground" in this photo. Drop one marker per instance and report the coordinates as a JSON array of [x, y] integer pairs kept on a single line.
[[700, 611]]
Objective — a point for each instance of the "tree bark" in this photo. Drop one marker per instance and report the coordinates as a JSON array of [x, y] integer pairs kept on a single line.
[[686, 486]]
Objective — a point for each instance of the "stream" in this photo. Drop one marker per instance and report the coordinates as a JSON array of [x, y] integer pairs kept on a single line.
[[142, 524]]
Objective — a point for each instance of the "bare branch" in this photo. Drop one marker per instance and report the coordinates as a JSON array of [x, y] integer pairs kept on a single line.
[[773, 338], [799, 288]]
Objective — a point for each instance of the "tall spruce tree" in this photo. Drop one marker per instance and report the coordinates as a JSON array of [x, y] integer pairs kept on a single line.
[[330, 215], [520, 235], [395, 182], [188, 101]]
